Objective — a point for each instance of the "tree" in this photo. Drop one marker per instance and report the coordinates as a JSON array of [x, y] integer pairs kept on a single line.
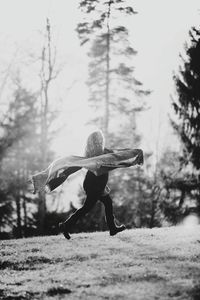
[[113, 87], [10, 133], [114, 92], [187, 103], [47, 74], [187, 108], [23, 158], [6, 208]]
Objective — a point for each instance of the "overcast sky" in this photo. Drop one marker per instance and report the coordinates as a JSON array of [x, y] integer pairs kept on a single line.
[[162, 28], [159, 31]]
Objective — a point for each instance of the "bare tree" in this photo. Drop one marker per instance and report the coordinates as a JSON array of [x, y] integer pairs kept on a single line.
[[48, 73]]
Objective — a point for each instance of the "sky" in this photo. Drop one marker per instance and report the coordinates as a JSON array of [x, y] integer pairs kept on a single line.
[[162, 28], [158, 33]]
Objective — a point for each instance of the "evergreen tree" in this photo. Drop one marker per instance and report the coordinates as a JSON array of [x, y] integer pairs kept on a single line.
[[113, 87], [187, 108], [114, 92], [187, 103]]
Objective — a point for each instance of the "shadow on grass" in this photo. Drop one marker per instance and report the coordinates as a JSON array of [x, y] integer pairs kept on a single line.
[[195, 292], [27, 295], [37, 262], [18, 296], [82, 258], [122, 278], [60, 290], [31, 263]]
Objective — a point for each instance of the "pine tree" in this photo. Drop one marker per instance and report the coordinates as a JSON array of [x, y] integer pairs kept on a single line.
[[187, 103], [113, 87], [114, 92], [187, 108]]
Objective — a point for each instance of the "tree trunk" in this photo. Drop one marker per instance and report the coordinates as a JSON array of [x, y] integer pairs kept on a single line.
[[153, 211], [41, 213], [107, 100], [182, 198], [46, 79], [107, 90], [44, 147], [19, 219], [25, 216]]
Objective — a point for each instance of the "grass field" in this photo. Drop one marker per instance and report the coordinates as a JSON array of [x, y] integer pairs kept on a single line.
[[136, 264]]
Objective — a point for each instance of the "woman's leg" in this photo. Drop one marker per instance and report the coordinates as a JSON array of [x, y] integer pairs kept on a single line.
[[71, 221], [107, 201]]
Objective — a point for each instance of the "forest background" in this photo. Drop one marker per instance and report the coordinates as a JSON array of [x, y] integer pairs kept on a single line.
[[69, 68]]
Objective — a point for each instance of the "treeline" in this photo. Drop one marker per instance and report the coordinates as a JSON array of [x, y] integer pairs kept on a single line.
[[143, 197], [25, 137]]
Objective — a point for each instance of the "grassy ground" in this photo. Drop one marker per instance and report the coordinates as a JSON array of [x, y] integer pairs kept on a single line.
[[136, 264]]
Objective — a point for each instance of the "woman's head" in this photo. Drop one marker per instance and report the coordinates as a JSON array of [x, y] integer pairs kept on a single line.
[[95, 144]]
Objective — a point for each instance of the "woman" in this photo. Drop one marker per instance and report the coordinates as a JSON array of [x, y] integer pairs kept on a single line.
[[98, 161], [95, 188]]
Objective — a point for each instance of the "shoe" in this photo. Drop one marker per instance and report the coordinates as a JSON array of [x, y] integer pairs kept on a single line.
[[117, 229], [63, 229]]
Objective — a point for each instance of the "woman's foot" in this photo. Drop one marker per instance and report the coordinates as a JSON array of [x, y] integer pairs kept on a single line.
[[117, 229], [64, 230]]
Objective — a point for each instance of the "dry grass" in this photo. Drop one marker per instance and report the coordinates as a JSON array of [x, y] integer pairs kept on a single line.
[[136, 264]]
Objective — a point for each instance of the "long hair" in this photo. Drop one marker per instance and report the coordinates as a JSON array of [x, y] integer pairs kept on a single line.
[[95, 144]]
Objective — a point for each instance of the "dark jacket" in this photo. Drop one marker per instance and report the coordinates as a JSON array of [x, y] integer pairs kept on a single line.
[[95, 185]]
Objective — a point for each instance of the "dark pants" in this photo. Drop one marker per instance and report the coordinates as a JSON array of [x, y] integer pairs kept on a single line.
[[90, 201]]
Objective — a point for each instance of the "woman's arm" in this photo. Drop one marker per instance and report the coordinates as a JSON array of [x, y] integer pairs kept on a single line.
[[55, 182], [106, 151]]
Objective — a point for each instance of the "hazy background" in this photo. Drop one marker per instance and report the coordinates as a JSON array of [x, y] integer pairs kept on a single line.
[[158, 32]]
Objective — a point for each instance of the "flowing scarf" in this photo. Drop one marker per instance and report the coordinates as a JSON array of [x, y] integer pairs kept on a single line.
[[58, 171]]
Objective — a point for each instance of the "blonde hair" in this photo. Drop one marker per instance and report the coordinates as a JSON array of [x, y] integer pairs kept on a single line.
[[95, 144]]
